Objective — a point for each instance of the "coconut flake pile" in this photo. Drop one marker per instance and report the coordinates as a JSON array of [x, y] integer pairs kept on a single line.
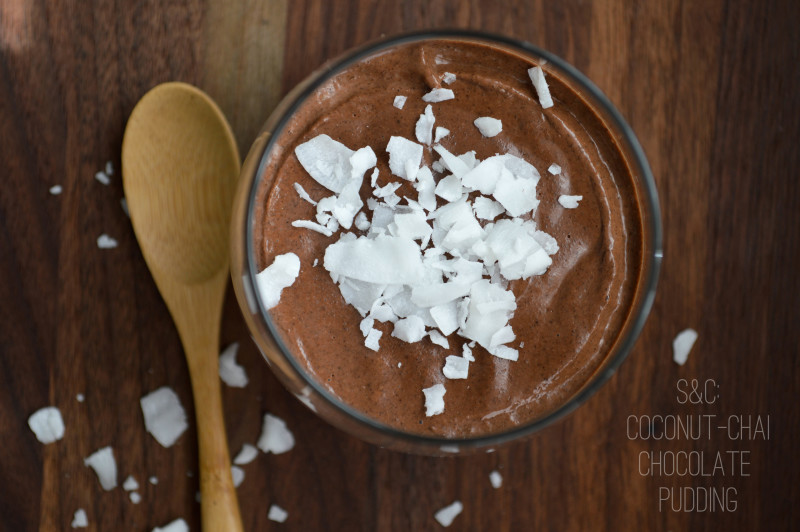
[[682, 344], [439, 263], [105, 466], [446, 515], [47, 424], [230, 372], [164, 417]]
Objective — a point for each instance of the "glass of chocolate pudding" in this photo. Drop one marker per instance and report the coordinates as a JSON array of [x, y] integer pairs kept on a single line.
[[445, 241]]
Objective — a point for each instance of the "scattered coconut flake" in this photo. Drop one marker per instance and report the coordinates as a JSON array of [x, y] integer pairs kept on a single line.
[[424, 127], [153, 480], [446, 515], [496, 479], [451, 162], [109, 168], [47, 424], [402, 153], [399, 101], [274, 278], [80, 398], [327, 161], [55, 190], [487, 209], [230, 372], [441, 132], [540, 84], [246, 455], [130, 484], [135, 497], [456, 367], [488, 126], [124, 204], [178, 525], [554, 169], [372, 339], [438, 95], [277, 514], [434, 399], [164, 416], [104, 465], [439, 339], [569, 202], [102, 177], [467, 353], [682, 344], [508, 353], [449, 188], [79, 520], [106, 242], [237, 474], [449, 77], [410, 329], [362, 222], [275, 437], [381, 260], [303, 194], [308, 224]]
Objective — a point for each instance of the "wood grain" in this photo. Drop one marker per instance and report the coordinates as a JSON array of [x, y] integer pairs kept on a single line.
[[711, 88]]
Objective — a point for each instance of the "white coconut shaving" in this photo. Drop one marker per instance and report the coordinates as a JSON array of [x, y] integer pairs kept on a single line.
[[424, 127], [308, 224], [303, 194], [399, 101], [55, 190], [682, 344], [372, 339], [230, 372], [487, 209], [449, 77], [440, 133], [327, 161], [456, 367], [178, 525], [106, 242], [277, 514], [439, 339], [540, 84], [246, 455], [403, 153], [164, 417], [109, 168], [130, 484], [47, 424], [102, 177], [134, 497], [275, 436], [438, 95], [434, 399], [274, 278], [446, 515], [410, 329], [496, 479], [123, 203], [153, 480], [105, 466], [488, 126], [554, 169], [237, 475], [80, 398], [79, 519], [569, 202]]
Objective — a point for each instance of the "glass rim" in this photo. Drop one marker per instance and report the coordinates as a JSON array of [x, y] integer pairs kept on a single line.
[[652, 233]]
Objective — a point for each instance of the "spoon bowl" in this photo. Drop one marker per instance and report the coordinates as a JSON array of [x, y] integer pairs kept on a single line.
[[180, 165]]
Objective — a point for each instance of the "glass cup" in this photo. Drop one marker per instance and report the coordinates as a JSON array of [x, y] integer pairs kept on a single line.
[[317, 397]]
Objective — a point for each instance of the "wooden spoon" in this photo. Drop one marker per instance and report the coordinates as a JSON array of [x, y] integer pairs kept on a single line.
[[180, 165]]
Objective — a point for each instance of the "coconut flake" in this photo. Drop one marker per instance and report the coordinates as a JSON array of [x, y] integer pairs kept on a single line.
[[424, 127], [554, 169], [438, 339], [277, 514], [362, 222], [456, 367], [449, 77], [495, 479], [79, 519], [327, 161], [466, 352], [540, 84], [446, 515], [441, 132], [135, 497], [438, 95], [372, 339], [274, 278], [399, 101], [446, 317], [682, 344], [47, 424], [303, 194], [487, 209], [569, 202], [230, 372], [308, 224], [237, 475], [449, 188], [246, 455], [383, 259], [505, 352], [102, 177], [401, 150], [106, 242], [153, 480], [164, 416], [104, 465], [275, 437], [130, 484], [80, 398], [123, 203], [178, 525], [452, 162], [434, 399], [488, 126], [410, 329], [55, 190]]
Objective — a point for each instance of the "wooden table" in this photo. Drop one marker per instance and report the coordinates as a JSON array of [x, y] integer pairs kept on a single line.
[[712, 90]]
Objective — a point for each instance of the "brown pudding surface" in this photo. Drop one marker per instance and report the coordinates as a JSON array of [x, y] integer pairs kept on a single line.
[[567, 320]]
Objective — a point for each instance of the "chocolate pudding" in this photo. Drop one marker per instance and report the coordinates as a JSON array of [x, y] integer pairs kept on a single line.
[[567, 319]]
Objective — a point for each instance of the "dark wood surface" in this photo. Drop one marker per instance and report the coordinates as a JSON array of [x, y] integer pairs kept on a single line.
[[712, 89]]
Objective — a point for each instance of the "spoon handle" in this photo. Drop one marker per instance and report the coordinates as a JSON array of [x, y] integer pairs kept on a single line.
[[218, 503]]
